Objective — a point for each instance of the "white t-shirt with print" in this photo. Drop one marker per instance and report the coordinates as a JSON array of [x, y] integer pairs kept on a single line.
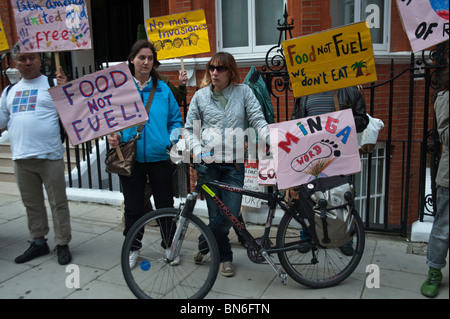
[[32, 121]]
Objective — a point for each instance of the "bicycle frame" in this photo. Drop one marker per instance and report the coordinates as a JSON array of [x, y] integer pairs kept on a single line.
[[273, 199]]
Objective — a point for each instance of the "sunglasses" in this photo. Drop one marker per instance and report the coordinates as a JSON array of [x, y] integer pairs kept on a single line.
[[219, 68]]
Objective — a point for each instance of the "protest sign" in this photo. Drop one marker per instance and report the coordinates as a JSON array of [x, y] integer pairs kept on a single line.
[[330, 60], [52, 26], [178, 35], [99, 104], [425, 22], [251, 183], [267, 171], [3, 41], [314, 147]]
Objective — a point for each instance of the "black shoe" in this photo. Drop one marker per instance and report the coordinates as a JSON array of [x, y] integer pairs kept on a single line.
[[33, 252], [303, 248], [63, 252], [347, 249]]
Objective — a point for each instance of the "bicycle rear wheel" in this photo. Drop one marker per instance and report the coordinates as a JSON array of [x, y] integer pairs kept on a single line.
[[153, 276], [312, 265]]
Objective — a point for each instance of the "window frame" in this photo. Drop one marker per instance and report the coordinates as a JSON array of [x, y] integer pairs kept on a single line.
[[377, 188], [385, 45], [251, 48]]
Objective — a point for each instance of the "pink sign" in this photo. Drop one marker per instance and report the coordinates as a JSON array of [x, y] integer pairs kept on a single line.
[[425, 22], [312, 147], [99, 104], [50, 26]]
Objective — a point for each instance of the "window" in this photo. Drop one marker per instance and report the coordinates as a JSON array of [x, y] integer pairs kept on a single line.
[[375, 12], [377, 193], [248, 26]]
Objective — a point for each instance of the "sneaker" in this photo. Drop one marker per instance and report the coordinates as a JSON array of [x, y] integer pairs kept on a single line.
[[63, 252], [303, 248], [176, 261], [198, 257], [347, 249], [134, 255], [430, 287], [226, 269], [33, 252]]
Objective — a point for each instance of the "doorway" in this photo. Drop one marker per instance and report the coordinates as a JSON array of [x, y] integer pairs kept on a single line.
[[114, 25]]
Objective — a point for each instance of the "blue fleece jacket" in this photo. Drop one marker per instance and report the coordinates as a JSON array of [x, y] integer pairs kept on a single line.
[[163, 126]]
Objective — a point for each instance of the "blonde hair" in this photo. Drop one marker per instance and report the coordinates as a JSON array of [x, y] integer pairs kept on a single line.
[[225, 59]]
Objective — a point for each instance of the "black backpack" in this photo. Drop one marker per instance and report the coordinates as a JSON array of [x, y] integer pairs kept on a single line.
[[51, 83]]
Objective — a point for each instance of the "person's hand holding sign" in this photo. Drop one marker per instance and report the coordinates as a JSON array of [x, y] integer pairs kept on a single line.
[[183, 78], [61, 77], [113, 140]]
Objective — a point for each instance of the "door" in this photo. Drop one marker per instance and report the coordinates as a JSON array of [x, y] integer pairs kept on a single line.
[[114, 27]]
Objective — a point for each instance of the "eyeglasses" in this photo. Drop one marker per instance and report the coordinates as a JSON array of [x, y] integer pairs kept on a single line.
[[219, 68]]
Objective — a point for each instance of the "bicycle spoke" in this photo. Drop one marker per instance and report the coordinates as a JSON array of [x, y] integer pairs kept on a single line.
[[312, 265], [154, 276]]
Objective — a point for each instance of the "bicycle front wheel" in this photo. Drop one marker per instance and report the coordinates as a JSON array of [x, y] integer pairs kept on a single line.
[[312, 265], [153, 275]]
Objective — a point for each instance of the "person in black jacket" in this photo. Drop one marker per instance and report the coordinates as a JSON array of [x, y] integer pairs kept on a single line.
[[320, 103], [324, 102]]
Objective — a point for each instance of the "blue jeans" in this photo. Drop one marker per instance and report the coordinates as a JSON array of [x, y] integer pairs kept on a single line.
[[218, 222], [438, 243]]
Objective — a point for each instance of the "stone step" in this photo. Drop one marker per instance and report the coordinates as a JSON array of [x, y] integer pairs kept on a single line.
[[7, 174], [7, 165]]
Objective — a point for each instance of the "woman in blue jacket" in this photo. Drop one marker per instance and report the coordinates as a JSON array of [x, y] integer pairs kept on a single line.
[[152, 161]]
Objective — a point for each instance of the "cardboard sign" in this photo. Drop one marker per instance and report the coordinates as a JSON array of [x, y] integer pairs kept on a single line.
[[251, 183], [52, 26], [313, 147], [99, 104], [330, 60], [178, 35], [425, 22], [3, 41]]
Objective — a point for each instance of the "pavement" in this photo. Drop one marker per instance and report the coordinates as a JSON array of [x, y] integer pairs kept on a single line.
[[97, 241]]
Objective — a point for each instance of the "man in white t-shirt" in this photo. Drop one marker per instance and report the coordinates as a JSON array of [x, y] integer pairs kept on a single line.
[[30, 116]]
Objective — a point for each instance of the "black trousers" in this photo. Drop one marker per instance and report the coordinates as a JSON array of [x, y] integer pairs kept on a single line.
[[160, 177]]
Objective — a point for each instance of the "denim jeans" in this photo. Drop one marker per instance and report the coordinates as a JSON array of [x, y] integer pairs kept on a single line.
[[218, 222], [438, 243]]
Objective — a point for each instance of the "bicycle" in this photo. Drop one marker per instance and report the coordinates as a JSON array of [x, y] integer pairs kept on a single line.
[[156, 277]]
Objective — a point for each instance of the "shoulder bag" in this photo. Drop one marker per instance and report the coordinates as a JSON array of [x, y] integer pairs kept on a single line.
[[122, 161]]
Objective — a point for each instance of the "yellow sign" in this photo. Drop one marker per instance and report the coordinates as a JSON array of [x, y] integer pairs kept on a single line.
[[178, 35], [3, 41], [330, 60]]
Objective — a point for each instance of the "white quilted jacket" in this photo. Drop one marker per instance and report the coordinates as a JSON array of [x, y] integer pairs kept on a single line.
[[221, 131]]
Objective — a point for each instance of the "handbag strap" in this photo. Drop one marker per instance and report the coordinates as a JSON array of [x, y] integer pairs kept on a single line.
[[336, 100], [147, 108]]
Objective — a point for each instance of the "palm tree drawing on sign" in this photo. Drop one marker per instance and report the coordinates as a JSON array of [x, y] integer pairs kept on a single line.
[[358, 67]]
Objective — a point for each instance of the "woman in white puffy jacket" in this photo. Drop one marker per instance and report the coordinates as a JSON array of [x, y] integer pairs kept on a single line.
[[216, 126]]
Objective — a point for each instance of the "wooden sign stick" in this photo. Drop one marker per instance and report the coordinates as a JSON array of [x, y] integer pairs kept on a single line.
[[57, 63], [182, 65]]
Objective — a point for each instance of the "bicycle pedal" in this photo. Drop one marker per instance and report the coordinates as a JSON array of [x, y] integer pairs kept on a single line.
[[284, 278]]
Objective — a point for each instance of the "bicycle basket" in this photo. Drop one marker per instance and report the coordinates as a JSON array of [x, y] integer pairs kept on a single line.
[[327, 208]]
